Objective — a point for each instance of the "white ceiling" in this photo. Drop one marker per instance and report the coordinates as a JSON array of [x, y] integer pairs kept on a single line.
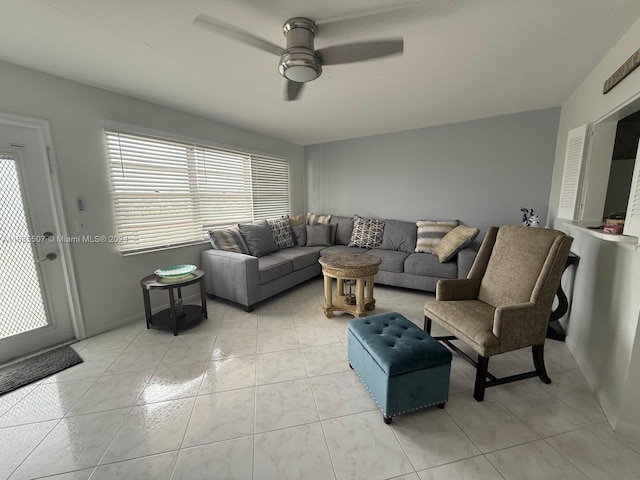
[[463, 59]]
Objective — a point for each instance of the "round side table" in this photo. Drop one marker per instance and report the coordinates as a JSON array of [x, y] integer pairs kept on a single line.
[[172, 318], [360, 267]]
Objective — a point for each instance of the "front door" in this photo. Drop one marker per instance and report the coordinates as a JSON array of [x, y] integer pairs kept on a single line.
[[36, 309]]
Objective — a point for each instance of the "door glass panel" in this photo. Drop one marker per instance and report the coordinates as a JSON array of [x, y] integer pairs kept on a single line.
[[21, 304]]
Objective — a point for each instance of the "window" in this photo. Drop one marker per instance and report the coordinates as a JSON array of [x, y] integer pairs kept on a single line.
[[169, 193]]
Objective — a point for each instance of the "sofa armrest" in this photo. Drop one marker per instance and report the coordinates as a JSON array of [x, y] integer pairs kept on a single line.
[[232, 276], [466, 257], [457, 289], [519, 325]]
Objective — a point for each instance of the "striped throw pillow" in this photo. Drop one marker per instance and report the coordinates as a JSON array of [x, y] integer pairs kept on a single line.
[[228, 239], [430, 232], [314, 219]]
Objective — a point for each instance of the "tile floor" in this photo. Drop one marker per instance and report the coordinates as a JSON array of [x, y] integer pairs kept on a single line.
[[269, 395]]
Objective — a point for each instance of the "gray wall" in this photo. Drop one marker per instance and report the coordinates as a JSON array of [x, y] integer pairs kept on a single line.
[[480, 172], [108, 283]]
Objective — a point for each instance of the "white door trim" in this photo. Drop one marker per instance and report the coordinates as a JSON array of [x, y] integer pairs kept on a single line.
[[46, 145]]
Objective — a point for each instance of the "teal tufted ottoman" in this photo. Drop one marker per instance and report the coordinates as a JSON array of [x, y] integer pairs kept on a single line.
[[401, 365]]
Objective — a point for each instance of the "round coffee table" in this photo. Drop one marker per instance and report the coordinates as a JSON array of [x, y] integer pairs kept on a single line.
[[176, 315], [360, 267]]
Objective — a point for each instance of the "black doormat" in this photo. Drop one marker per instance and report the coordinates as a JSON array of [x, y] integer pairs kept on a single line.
[[34, 368]]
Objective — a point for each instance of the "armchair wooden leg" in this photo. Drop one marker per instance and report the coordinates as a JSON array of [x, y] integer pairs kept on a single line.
[[481, 378], [427, 325], [538, 360]]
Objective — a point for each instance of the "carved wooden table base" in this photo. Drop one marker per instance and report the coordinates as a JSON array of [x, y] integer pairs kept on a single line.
[[360, 267]]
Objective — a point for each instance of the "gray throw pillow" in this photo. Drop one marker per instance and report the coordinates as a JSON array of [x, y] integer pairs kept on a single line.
[[300, 234], [400, 236], [343, 230], [258, 238], [319, 235]]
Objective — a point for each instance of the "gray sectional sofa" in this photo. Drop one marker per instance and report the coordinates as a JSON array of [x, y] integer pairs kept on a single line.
[[234, 274]]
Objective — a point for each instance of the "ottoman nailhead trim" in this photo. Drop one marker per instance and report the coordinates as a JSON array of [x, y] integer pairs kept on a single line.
[[395, 413]]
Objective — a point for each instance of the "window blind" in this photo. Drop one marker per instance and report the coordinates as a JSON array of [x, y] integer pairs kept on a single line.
[[169, 193]]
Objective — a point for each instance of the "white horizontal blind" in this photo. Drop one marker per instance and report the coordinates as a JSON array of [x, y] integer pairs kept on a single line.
[[224, 187], [270, 179], [169, 193], [573, 162]]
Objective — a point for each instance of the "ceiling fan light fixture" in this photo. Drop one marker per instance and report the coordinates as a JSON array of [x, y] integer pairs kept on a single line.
[[300, 66]]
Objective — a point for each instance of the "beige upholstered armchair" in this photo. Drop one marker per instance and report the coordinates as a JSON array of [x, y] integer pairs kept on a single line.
[[505, 302]]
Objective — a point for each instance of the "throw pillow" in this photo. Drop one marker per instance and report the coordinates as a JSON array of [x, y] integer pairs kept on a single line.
[[430, 232], [258, 237], [319, 235], [298, 220], [313, 219], [228, 239], [281, 230], [300, 234], [400, 236], [454, 241], [367, 232], [343, 230]]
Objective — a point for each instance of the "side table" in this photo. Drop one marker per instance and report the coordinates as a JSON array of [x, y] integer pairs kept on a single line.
[[554, 329], [360, 267], [171, 318]]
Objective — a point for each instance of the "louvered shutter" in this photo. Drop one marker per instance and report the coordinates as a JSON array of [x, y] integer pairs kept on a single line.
[[573, 164], [632, 220]]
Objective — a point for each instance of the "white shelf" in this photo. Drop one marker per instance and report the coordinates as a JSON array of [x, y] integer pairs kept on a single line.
[[609, 237]]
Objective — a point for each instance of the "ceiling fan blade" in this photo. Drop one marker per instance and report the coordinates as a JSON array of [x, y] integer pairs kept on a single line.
[[380, 12], [237, 34], [293, 90], [362, 51]]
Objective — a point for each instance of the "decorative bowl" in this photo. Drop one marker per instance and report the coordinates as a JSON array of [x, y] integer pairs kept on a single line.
[[175, 271]]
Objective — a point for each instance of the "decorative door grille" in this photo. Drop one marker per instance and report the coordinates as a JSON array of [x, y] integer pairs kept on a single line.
[[21, 303]]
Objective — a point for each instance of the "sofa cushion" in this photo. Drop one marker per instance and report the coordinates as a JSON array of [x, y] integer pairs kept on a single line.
[[399, 235], [430, 232], [454, 241], [343, 229], [228, 239], [301, 257], [367, 232], [272, 267], [319, 235], [343, 249], [428, 265], [258, 237], [281, 231], [300, 234], [314, 218], [392, 260]]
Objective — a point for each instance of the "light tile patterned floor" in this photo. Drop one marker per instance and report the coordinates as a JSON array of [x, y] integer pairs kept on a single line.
[[269, 395]]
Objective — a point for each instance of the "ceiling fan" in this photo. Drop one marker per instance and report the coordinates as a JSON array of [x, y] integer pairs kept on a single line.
[[300, 62]]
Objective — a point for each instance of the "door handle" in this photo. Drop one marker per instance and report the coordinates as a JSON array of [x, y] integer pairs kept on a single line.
[[49, 256]]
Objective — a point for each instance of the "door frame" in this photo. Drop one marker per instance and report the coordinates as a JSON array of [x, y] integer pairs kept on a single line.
[[45, 144]]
